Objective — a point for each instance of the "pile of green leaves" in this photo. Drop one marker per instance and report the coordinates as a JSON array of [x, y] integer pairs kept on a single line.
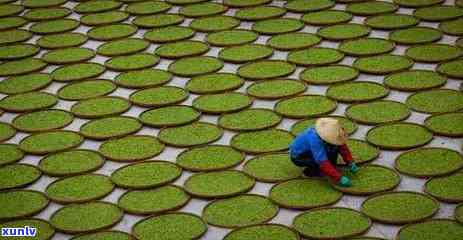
[[18, 175], [428, 162], [304, 193], [193, 66], [391, 21], [263, 232], [214, 83], [182, 49], [146, 174], [68, 55], [415, 35], [25, 83], [378, 112], [266, 69], [209, 158], [277, 26], [275, 89], [399, 136], [305, 106], [438, 13], [400, 207], [158, 20], [345, 31], [448, 124], [131, 148], [21, 203], [153, 201], [143, 78], [104, 18], [6, 131], [49, 142], [147, 8], [100, 107], [315, 56], [112, 31], [222, 102], [22, 66], [262, 141], [80, 188], [231, 37], [436, 101], [371, 8], [30, 101], [274, 167], [371, 179], [86, 89], [214, 24], [62, 40], [434, 229], [366, 46], [17, 51], [86, 217], [10, 154], [308, 5], [96, 6], [245, 53], [329, 74], [42, 120], [71, 162], [169, 34], [452, 68], [169, 116], [158, 97], [77, 71], [250, 119], [447, 189], [293, 41], [202, 9], [326, 17], [358, 91], [54, 26], [170, 226], [243, 210], [331, 223], [122, 47], [189, 135], [218, 184], [132, 62], [110, 127], [259, 13], [414, 80], [383, 64], [434, 53]]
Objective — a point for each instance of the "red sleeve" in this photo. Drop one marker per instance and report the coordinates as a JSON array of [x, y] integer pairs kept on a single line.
[[345, 153], [328, 169]]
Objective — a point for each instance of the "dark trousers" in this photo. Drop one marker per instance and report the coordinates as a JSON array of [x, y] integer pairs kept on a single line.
[[311, 166]]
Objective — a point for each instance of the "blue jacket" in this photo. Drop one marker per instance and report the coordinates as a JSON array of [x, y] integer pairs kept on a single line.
[[309, 145]]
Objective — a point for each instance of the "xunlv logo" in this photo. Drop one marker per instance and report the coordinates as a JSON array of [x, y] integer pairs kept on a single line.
[[19, 232]]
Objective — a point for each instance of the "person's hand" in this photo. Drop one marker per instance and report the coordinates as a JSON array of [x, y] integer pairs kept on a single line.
[[353, 168], [344, 182]]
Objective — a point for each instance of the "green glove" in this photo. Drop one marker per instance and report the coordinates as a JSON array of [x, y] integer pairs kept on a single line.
[[344, 182], [354, 168]]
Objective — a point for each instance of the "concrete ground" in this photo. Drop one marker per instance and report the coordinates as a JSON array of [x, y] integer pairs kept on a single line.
[[285, 216]]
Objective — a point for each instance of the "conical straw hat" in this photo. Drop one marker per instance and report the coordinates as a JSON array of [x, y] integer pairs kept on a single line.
[[330, 130]]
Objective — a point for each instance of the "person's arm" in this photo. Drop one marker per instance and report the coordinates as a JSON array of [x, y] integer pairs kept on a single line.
[[345, 154], [321, 158], [329, 170], [347, 157]]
